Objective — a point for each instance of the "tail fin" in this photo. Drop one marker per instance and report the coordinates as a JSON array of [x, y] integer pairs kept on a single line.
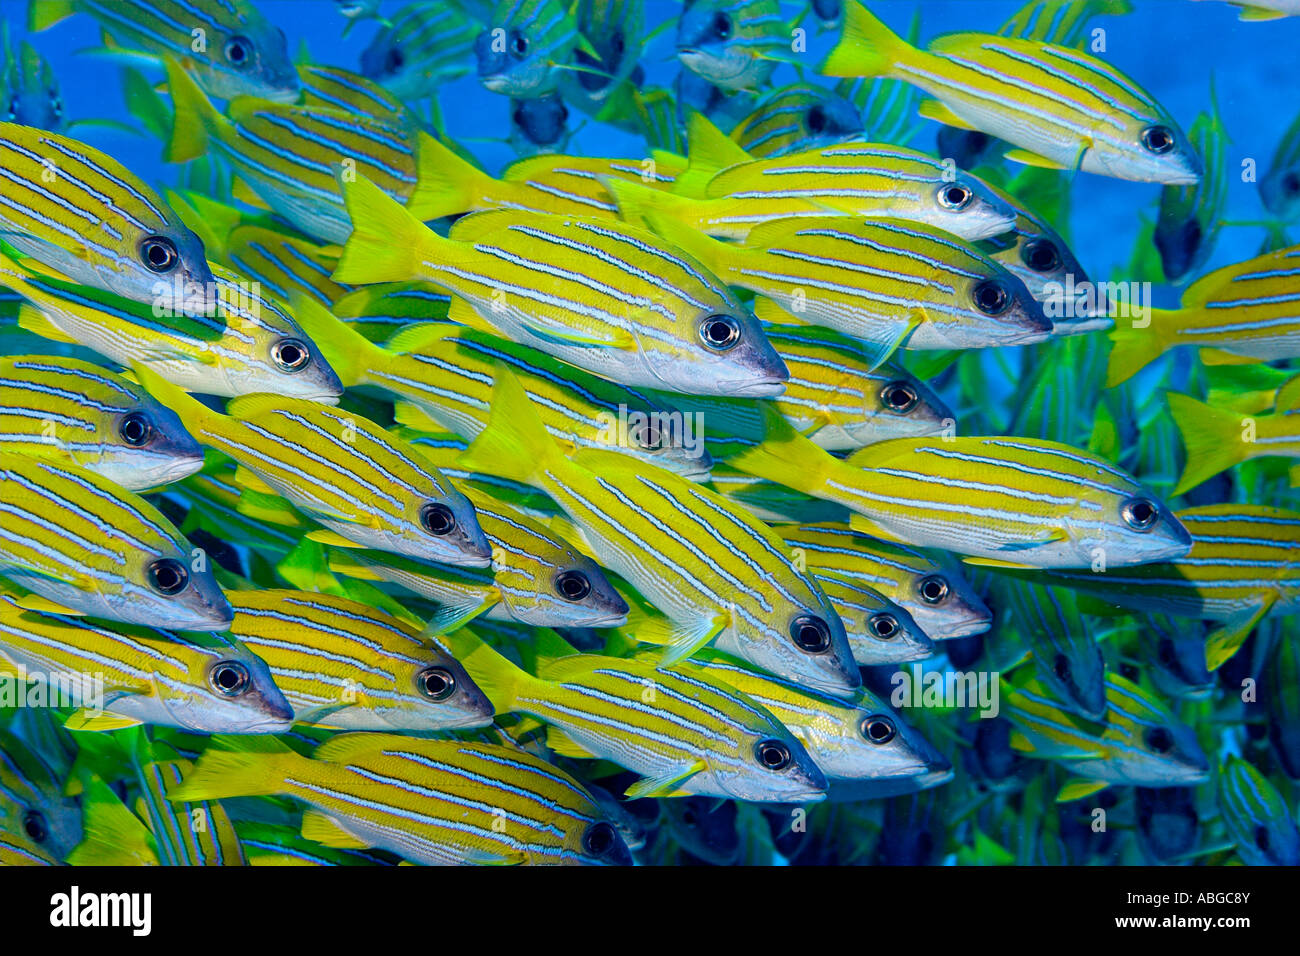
[[866, 47], [1133, 349], [193, 114], [653, 209], [254, 766], [446, 184], [515, 444], [548, 647], [496, 676], [386, 240], [785, 456], [709, 152], [349, 352], [43, 14], [185, 405], [1211, 436]]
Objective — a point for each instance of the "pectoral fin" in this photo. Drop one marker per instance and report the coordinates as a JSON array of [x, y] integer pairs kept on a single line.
[[1076, 788]]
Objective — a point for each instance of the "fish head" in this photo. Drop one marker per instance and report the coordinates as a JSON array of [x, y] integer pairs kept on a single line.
[[512, 60], [1041, 260], [902, 406], [578, 595], [289, 363], [1280, 190], [389, 63], [436, 694], [1135, 527], [966, 207], [831, 119], [145, 445], [714, 41], [1153, 149], [727, 350], [171, 588], [248, 58], [1076, 676], [599, 842], [772, 766], [440, 525], [1145, 744], [672, 440], [997, 310], [703, 829], [542, 121], [33, 97], [810, 646], [229, 690], [830, 13], [864, 740], [879, 631], [943, 602], [31, 798], [163, 264]]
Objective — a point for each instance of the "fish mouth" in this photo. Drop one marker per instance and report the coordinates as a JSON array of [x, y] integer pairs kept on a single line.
[[768, 387], [969, 629], [607, 620]]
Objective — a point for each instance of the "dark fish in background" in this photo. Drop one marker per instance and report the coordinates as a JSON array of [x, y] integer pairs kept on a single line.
[[795, 118], [1191, 216], [540, 122], [1167, 822], [425, 46], [29, 90]]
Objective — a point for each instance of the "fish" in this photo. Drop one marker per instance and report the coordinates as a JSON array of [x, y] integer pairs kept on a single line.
[[342, 470], [1061, 107], [599, 308], [1167, 822], [522, 47], [1266, 9], [614, 29], [428, 801], [540, 123], [1217, 439], [863, 747], [202, 682], [797, 118], [86, 546], [30, 89], [682, 731], [422, 48], [440, 377], [280, 844], [1141, 743], [32, 802], [1256, 816], [887, 283], [69, 410], [1191, 216], [1281, 700], [1279, 186], [1004, 500], [734, 44], [726, 193], [82, 213], [332, 87], [694, 555], [346, 665], [230, 47], [879, 631], [1175, 657]]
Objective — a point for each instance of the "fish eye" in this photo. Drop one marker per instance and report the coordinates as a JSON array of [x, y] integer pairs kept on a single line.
[[899, 397], [720, 332], [878, 729], [437, 519], [647, 436], [56, 105], [1041, 255], [955, 196], [394, 61], [519, 45], [1290, 182], [1159, 739], [772, 754], [35, 826], [810, 634], [933, 589], [1261, 837], [291, 355], [168, 576], [599, 839], [229, 678], [239, 51], [1140, 514], [436, 683], [1061, 667], [1165, 651], [1158, 139], [722, 25], [11, 113], [573, 585], [159, 254], [884, 626], [135, 429], [816, 119], [991, 297]]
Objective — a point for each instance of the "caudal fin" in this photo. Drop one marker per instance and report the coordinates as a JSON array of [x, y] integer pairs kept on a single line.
[[1132, 350], [253, 766], [515, 444], [1213, 439], [784, 456], [189, 408], [446, 184], [349, 352], [386, 242], [193, 114], [866, 47]]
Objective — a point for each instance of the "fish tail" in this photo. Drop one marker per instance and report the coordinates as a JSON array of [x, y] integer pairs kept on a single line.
[[386, 240], [193, 113], [349, 352], [43, 14], [254, 766], [709, 152], [866, 47], [1211, 436], [447, 184], [496, 676], [666, 215], [515, 443], [784, 456], [185, 405], [1132, 349]]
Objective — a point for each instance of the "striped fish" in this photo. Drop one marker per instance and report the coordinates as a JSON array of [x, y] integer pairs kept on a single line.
[[1174, 656], [32, 803], [865, 749], [1140, 743], [438, 802], [726, 192], [1191, 216], [250, 344], [206, 683], [523, 44], [734, 44], [345, 665], [423, 47], [82, 213], [1216, 439], [340, 469], [797, 118], [1256, 816], [215, 503], [1279, 186], [287, 155], [84, 544], [18, 849], [231, 48], [887, 283], [615, 30], [681, 730], [606, 297], [1060, 107], [441, 377], [879, 631], [279, 844], [713, 569], [29, 87], [380, 311], [1242, 565], [286, 266], [332, 87], [78, 413], [1006, 500]]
